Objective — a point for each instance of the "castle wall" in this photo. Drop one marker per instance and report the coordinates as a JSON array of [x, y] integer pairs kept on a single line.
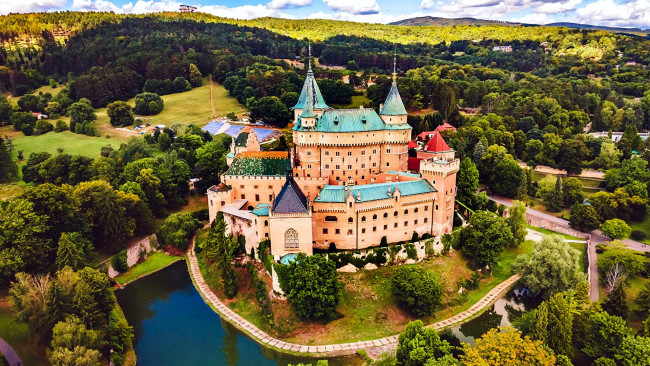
[[254, 189], [238, 226], [280, 224]]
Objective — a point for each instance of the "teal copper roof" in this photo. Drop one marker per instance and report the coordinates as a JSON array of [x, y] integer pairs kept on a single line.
[[308, 112], [373, 192], [350, 120], [261, 209], [310, 89], [393, 106]]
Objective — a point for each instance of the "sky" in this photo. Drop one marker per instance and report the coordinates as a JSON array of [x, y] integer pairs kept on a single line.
[[617, 13]]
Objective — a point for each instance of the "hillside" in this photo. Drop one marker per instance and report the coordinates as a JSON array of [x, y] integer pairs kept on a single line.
[[636, 31], [445, 22]]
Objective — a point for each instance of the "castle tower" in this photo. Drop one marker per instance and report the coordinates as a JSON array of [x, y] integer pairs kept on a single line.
[[393, 111], [439, 166], [310, 91], [308, 116]]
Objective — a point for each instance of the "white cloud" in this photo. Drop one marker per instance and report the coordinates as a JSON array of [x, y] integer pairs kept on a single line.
[[24, 6], [426, 4], [533, 18], [282, 4], [607, 12], [354, 6], [556, 7], [244, 11]]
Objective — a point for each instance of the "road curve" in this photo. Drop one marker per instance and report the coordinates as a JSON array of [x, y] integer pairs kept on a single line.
[[9, 353]]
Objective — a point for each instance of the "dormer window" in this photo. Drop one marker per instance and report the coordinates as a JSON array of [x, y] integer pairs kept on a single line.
[[336, 120], [363, 120]]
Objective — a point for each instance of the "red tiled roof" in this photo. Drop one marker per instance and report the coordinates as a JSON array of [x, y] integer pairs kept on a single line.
[[436, 144], [445, 126], [412, 145], [424, 135]]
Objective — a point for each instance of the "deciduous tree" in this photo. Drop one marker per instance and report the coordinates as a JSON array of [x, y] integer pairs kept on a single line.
[[314, 289], [485, 237], [417, 291]]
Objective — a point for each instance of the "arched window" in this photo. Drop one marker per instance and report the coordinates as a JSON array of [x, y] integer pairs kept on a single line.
[[374, 217], [406, 212], [395, 214], [416, 210], [363, 219], [350, 219], [385, 215], [291, 239], [266, 222]]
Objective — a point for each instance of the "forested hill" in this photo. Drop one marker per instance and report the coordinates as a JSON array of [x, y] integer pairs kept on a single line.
[[439, 21], [636, 31]]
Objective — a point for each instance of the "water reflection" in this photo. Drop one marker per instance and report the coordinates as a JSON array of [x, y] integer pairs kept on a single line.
[[174, 326], [504, 310]]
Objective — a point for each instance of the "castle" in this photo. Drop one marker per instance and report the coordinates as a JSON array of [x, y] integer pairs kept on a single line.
[[346, 183]]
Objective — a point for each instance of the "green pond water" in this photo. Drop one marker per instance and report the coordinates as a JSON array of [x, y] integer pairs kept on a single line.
[[174, 326]]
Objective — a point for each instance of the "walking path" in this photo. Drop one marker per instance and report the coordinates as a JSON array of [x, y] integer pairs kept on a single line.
[[596, 236], [9, 353], [329, 349]]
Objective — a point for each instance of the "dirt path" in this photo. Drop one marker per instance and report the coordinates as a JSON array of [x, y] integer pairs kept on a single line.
[[374, 346], [214, 110]]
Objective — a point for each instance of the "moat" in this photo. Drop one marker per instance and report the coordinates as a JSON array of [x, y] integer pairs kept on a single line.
[[173, 325]]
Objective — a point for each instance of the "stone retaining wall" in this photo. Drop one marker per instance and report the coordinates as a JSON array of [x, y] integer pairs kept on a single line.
[[553, 226]]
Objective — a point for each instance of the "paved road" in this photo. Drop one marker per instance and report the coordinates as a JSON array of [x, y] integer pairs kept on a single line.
[[9, 353], [597, 237]]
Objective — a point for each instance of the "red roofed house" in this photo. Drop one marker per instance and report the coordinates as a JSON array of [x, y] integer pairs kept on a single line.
[[444, 127]]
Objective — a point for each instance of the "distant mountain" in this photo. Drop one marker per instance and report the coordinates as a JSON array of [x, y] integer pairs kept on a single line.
[[440, 22], [637, 31]]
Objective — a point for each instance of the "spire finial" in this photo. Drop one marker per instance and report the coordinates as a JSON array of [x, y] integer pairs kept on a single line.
[[309, 55], [395, 65]]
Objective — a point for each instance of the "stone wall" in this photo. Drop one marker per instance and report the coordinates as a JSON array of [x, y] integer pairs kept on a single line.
[[133, 253], [554, 226]]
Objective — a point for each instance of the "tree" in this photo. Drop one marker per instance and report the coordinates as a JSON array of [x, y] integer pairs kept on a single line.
[[79, 356], [72, 333], [517, 222], [552, 268], [20, 119], [506, 347], [416, 290], [633, 351], [552, 323], [120, 114], [615, 229], [81, 112], [554, 199], [485, 237], [28, 294], [147, 104], [609, 156], [417, 345], [506, 178], [584, 218], [630, 262], [313, 287], [177, 230], [73, 251], [572, 155], [615, 302], [8, 167], [467, 181], [196, 79], [643, 299], [604, 335], [271, 110], [572, 192]]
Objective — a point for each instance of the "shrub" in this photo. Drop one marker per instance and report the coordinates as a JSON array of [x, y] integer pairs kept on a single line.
[[148, 104], [177, 230], [416, 290], [119, 262], [60, 126], [637, 235], [384, 242], [411, 252], [202, 214], [313, 287], [415, 237], [491, 206], [43, 126]]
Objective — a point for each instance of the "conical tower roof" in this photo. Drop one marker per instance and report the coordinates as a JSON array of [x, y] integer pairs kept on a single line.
[[308, 109], [310, 91], [393, 106]]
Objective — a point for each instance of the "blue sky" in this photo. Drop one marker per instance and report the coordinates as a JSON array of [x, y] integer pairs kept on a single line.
[[622, 13]]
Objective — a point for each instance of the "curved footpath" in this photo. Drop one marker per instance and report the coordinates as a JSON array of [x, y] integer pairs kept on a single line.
[[330, 349], [9, 353]]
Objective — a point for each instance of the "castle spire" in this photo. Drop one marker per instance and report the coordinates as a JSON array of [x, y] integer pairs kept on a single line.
[[395, 65], [309, 59], [310, 91], [393, 106]]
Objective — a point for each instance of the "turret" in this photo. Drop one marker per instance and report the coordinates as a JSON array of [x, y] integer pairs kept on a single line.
[[308, 116], [393, 111], [310, 91]]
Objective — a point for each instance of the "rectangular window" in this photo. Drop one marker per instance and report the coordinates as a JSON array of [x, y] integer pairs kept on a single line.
[[363, 152], [325, 231], [436, 207], [388, 151], [243, 196], [223, 203], [374, 165], [349, 167], [426, 208], [374, 151], [349, 231], [374, 228], [363, 166], [337, 153], [415, 222], [395, 225], [406, 223], [257, 197], [327, 166], [337, 231], [363, 231], [270, 197], [338, 167], [255, 187], [426, 219], [241, 186], [385, 227], [327, 153], [349, 153]]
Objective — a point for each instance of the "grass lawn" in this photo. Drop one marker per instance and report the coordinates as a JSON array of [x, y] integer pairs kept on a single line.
[[43, 89], [357, 100], [17, 334], [643, 225], [368, 308], [130, 356], [551, 232], [71, 143], [154, 262]]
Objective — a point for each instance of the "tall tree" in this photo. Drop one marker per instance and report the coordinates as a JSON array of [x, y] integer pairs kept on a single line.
[[467, 181], [485, 237], [517, 222], [555, 199], [8, 168], [417, 345], [616, 301]]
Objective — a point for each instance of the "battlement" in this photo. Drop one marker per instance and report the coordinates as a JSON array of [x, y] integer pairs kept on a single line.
[[439, 166]]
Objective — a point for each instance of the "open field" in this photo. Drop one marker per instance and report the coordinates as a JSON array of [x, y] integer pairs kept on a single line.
[[17, 334], [154, 262], [368, 308], [71, 143]]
